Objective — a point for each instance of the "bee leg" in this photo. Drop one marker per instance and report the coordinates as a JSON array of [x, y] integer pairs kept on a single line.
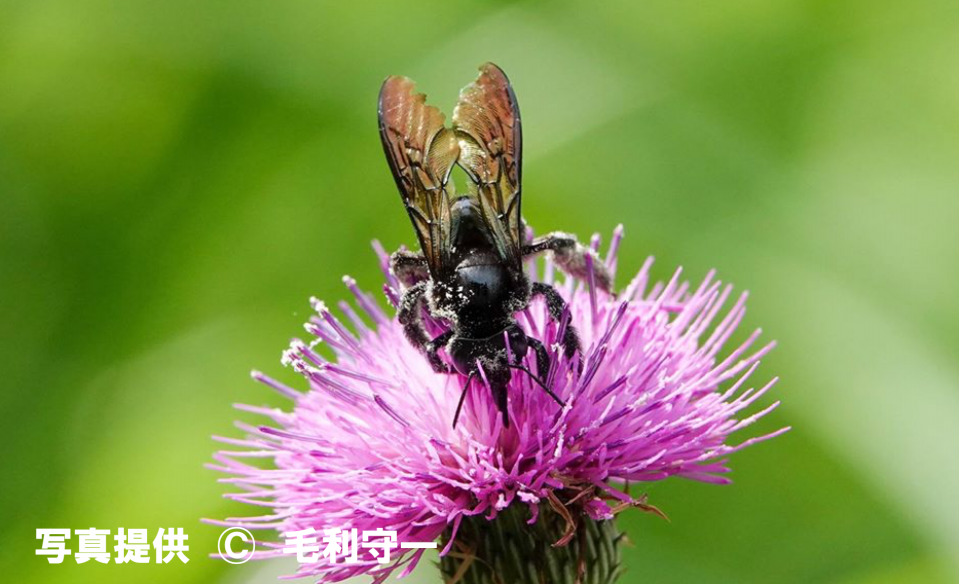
[[409, 267], [570, 256], [556, 306], [431, 352], [409, 316], [542, 357], [501, 399]]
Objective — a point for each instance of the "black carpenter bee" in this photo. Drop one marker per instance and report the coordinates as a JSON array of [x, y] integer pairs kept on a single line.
[[470, 270]]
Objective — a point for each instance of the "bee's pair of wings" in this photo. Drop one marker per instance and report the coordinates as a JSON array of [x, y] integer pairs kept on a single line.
[[485, 140]]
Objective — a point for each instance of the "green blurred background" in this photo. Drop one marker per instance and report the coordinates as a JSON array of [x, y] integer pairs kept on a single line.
[[177, 178]]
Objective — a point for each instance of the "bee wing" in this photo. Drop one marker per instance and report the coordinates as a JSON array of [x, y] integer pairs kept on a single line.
[[487, 126], [421, 152]]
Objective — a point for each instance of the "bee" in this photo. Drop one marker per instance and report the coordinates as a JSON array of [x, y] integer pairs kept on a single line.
[[469, 273]]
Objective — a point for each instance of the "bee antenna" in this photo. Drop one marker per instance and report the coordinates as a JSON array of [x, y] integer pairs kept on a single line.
[[459, 406], [540, 383]]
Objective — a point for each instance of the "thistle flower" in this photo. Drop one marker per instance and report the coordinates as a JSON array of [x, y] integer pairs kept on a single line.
[[370, 444]]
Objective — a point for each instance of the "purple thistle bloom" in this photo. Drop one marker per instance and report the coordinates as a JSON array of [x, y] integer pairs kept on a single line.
[[370, 445]]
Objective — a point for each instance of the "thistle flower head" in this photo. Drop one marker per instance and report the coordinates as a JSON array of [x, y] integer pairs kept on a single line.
[[370, 443]]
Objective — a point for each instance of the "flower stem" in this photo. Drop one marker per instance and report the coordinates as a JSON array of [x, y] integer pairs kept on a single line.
[[509, 551]]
